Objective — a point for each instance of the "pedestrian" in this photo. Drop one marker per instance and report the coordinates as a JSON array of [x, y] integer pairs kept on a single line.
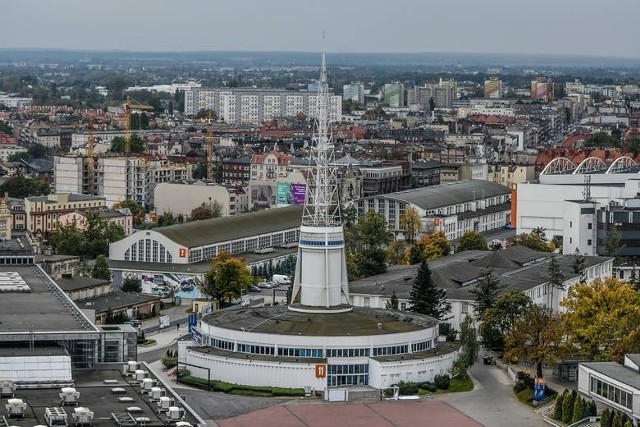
[[177, 326]]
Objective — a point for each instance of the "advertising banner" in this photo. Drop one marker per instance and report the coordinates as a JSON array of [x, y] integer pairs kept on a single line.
[[298, 192], [284, 194]]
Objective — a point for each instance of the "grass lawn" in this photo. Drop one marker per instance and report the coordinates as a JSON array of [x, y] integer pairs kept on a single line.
[[147, 343], [460, 384]]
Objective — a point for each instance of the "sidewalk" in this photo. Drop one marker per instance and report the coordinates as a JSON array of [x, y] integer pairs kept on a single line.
[[163, 338]]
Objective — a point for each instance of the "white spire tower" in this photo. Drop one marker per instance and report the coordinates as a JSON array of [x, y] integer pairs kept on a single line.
[[321, 269]]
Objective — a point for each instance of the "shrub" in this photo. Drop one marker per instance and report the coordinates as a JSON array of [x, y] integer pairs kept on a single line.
[[525, 396], [578, 410], [557, 410], [593, 409], [519, 386], [442, 381], [567, 407], [525, 378], [407, 388], [169, 362]]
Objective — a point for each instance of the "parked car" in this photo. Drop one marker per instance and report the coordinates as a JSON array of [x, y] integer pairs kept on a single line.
[[254, 288]]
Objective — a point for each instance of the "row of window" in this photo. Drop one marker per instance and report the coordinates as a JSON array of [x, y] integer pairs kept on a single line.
[[421, 346], [611, 393], [319, 352], [148, 250], [391, 350]]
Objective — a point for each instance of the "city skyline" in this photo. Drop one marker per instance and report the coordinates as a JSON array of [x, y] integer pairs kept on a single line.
[[460, 26]]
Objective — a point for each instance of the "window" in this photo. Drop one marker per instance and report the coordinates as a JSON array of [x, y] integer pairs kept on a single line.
[[589, 242], [570, 224], [590, 226]]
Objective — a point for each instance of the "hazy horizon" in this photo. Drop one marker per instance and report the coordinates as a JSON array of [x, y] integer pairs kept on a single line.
[[595, 28]]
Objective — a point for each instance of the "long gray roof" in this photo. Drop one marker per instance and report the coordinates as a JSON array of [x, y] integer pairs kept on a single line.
[[617, 372], [438, 196], [517, 268], [210, 231]]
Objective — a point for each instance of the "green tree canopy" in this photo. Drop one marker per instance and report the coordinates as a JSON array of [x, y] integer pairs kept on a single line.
[[366, 243], [472, 240], [138, 144], [426, 297], [485, 292], [20, 186], [498, 321], [227, 278], [602, 318], [206, 211], [101, 269], [602, 140], [88, 241], [131, 284], [535, 240]]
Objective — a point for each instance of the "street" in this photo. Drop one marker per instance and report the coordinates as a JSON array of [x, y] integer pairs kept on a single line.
[[493, 402]]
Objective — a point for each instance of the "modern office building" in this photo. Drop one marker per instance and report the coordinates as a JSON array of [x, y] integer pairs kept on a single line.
[[254, 106]]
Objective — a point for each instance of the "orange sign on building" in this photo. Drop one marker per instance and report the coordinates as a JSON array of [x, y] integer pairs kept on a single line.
[[183, 252], [321, 371]]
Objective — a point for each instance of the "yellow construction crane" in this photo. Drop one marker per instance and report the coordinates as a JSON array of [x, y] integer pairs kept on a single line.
[[91, 144], [129, 105]]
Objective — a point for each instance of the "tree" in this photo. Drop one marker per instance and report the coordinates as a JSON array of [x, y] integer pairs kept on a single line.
[[410, 223], [578, 410], [556, 279], [430, 247], [393, 301], [535, 240], [557, 409], [468, 342], [137, 144], [132, 284], [567, 407], [206, 113], [485, 292], [91, 241], [136, 209], [498, 321], [602, 317], [366, 243], [227, 278], [20, 186], [613, 244], [426, 297], [472, 240], [101, 269], [538, 335], [578, 265], [602, 140], [398, 253], [204, 211]]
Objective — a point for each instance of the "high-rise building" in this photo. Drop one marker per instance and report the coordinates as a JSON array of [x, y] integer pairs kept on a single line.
[[353, 92], [254, 106], [542, 89], [117, 178], [493, 88], [442, 93], [394, 94]]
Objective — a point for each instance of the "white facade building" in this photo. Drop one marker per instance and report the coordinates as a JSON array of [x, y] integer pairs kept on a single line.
[[353, 92], [254, 106], [180, 198]]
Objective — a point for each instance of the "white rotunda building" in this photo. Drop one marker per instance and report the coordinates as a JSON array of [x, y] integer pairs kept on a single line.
[[322, 341]]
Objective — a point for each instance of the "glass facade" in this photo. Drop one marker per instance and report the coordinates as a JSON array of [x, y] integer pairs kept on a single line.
[[342, 375], [611, 393]]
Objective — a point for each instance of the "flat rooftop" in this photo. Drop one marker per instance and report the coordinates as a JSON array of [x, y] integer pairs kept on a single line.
[[282, 321], [44, 309], [98, 396]]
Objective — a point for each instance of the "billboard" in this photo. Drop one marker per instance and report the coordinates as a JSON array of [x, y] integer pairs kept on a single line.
[[291, 194], [262, 196]]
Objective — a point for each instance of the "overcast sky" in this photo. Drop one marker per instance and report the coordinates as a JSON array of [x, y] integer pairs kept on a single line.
[[581, 27]]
